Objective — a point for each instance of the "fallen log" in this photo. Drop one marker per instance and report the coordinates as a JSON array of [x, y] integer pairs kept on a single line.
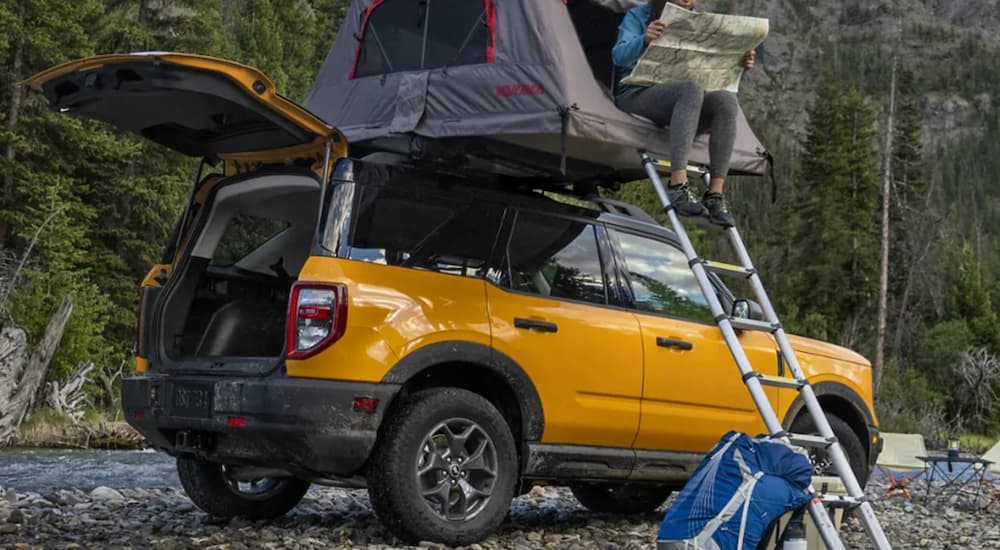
[[26, 380]]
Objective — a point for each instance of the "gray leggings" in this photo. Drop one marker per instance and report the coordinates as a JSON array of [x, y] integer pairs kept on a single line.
[[688, 111]]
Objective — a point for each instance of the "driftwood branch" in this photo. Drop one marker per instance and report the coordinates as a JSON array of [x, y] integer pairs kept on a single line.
[[67, 398], [107, 383]]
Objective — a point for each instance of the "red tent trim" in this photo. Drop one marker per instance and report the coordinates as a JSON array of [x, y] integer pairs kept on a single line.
[[491, 23], [361, 39]]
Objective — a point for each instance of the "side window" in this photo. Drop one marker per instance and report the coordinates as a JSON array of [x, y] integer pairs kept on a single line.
[[555, 257], [403, 35], [661, 280], [243, 235], [419, 230]]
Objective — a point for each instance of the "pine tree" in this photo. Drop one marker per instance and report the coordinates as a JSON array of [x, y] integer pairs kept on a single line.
[[832, 218], [971, 302], [912, 220]]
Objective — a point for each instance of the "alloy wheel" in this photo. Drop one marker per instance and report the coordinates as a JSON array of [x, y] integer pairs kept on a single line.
[[456, 469]]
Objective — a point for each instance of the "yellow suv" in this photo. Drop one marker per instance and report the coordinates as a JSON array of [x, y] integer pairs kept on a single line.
[[436, 335]]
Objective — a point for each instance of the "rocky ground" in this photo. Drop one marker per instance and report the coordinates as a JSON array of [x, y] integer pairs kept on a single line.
[[333, 518]]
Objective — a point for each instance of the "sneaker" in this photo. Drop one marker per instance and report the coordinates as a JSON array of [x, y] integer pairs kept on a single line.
[[684, 201], [718, 211]]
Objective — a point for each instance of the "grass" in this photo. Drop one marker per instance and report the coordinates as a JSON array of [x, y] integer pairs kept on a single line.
[[94, 415], [976, 443], [47, 428], [45, 416]]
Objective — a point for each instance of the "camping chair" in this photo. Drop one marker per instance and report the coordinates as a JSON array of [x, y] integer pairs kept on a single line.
[[898, 461], [992, 478]]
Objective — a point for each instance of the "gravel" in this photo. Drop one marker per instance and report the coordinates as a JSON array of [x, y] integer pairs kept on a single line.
[[336, 518]]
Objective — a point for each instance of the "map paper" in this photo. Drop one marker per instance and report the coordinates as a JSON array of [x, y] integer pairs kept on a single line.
[[704, 47]]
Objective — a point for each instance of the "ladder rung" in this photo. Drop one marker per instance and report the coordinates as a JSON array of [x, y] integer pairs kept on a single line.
[[841, 501], [752, 324], [665, 164], [723, 268], [781, 382], [814, 441]]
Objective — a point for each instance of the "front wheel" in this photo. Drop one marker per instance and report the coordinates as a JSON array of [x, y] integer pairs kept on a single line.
[[444, 468], [849, 441], [621, 499], [214, 490]]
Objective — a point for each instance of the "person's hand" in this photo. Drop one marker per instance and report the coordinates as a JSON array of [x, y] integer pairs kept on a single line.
[[654, 30], [748, 60]]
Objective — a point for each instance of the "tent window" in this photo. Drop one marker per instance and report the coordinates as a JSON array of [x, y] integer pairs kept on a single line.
[[403, 35]]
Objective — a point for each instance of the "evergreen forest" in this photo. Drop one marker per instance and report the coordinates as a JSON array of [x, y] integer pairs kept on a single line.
[[85, 210]]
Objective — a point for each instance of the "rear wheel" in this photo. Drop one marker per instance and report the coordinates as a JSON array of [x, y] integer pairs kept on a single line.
[[211, 487], [444, 468], [853, 447], [621, 499]]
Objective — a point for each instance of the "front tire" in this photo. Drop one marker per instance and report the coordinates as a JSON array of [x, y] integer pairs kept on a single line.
[[212, 490], [621, 499], [853, 447], [444, 468]]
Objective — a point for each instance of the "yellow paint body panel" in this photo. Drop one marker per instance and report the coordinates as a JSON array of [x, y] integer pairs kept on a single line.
[[588, 374], [692, 397], [601, 377], [239, 163], [141, 363], [825, 362], [392, 312]]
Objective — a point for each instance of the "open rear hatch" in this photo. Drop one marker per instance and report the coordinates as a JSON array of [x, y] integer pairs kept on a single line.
[[199, 106], [222, 308]]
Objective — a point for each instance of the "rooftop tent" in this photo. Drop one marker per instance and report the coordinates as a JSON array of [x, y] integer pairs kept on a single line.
[[498, 84]]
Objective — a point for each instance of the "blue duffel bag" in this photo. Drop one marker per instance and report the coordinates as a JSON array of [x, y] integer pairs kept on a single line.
[[740, 487]]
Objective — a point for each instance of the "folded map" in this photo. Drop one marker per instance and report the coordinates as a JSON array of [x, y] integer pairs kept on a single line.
[[704, 47]]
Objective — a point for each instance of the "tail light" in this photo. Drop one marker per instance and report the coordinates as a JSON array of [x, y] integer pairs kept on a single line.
[[317, 317]]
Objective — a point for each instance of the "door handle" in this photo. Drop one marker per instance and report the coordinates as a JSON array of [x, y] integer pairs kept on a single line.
[[672, 343], [534, 324]]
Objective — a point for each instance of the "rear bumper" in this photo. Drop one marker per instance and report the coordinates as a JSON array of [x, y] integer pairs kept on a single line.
[[305, 426]]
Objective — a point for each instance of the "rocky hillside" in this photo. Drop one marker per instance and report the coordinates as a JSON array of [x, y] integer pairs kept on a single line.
[[952, 45]]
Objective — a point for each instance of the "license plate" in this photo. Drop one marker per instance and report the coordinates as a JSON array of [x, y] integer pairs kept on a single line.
[[192, 400]]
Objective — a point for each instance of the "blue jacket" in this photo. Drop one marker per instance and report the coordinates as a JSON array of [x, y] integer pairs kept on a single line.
[[630, 45]]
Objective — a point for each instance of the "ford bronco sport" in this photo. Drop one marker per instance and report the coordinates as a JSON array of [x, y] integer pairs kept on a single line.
[[443, 339]]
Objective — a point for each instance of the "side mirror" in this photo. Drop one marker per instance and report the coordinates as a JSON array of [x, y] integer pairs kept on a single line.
[[747, 309]]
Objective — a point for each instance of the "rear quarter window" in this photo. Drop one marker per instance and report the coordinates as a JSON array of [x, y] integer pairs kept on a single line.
[[554, 257], [413, 228]]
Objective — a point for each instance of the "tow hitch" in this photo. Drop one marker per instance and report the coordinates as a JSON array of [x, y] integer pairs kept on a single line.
[[192, 442]]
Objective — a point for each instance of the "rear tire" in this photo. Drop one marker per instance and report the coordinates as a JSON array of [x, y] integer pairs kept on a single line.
[[444, 468], [208, 486], [853, 447], [621, 499]]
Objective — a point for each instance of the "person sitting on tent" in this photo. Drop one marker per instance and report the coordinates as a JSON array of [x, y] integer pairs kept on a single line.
[[686, 108]]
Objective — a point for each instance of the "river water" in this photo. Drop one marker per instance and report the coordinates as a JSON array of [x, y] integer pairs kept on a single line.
[[44, 470]]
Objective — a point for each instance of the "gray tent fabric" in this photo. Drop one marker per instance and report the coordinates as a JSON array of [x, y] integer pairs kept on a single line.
[[537, 95], [620, 6]]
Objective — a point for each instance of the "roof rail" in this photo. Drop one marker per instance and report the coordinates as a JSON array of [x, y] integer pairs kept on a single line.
[[612, 206]]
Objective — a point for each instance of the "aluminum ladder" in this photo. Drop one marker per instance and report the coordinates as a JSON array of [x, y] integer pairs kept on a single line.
[[755, 382]]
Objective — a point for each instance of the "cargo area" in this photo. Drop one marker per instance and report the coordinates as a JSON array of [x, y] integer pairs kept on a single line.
[[229, 295]]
